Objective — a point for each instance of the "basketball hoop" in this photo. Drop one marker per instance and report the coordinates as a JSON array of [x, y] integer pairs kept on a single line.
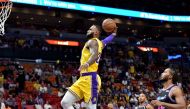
[[5, 10]]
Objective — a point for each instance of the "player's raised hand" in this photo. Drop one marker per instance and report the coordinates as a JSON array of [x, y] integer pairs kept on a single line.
[[115, 31]]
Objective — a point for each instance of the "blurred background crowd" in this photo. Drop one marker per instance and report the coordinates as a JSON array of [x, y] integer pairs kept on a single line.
[[35, 74], [125, 72]]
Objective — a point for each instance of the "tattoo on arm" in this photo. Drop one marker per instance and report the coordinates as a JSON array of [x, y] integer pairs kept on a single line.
[[93, 46]]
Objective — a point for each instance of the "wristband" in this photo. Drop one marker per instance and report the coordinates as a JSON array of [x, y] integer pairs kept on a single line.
[[87, 64]]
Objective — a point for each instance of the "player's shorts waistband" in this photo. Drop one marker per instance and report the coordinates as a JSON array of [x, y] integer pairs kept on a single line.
[[88, 73]]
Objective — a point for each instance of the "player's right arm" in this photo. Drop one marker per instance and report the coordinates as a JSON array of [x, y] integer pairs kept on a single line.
[[109, 38], [180, 101], [181, 104], [93, 47]]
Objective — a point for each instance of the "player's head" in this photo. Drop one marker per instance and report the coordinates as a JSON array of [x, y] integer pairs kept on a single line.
[[142, 98], [168, 75], [93, 32]]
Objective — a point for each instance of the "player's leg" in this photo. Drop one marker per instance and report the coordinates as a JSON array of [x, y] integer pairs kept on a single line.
[[73, 94], [92, 97], [68, 100]]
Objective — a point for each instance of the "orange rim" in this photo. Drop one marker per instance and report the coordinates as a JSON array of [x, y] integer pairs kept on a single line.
[[4, 0]]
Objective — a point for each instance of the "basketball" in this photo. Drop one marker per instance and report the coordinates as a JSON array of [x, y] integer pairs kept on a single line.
[[108, 25]]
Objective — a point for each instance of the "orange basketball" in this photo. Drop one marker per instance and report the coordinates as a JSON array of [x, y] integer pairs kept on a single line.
[[108, 25]]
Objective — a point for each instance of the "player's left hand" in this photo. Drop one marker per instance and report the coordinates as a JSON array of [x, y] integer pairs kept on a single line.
[[115, 31], [83, 67], [156, 103]]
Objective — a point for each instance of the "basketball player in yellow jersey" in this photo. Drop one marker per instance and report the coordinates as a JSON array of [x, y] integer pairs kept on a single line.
[[88, 85]]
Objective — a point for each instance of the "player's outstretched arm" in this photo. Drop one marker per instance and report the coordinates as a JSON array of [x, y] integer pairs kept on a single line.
[[93, 47], [181, 104], [109, 38]]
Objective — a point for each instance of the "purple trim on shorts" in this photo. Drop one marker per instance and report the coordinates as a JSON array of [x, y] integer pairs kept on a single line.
[[94, 90], [108, 39]]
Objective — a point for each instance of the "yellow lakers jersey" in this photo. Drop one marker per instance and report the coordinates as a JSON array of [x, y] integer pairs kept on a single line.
[[86, 55]]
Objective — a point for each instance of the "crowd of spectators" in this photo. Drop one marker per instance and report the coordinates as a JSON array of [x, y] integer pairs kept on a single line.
[[30, 43], [125, 72], [124, 69]]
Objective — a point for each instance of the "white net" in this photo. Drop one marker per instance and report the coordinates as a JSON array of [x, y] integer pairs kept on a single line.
[[5, 8]]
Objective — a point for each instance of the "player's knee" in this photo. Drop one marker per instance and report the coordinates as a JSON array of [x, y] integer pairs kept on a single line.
[[65, 104]]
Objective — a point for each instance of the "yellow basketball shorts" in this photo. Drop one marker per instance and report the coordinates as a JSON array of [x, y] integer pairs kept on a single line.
[[87, 87]]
